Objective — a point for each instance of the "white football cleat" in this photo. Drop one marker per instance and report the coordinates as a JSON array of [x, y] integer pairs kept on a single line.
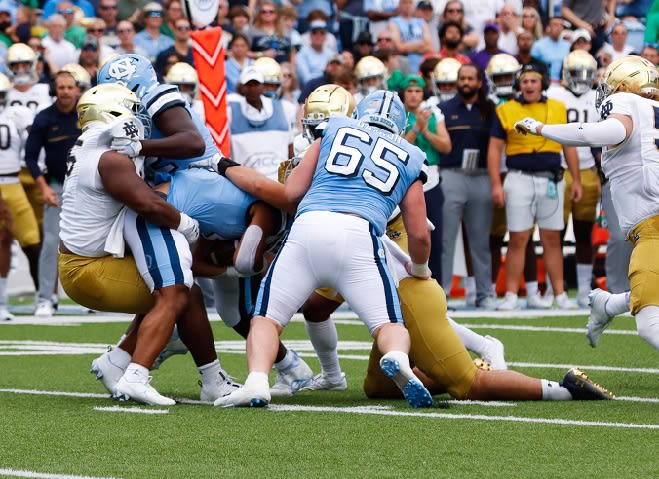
[[535, 301], [395, 365], [108, 372], [509, 303], [244, 397], [173, 346], [221, 386], [599, 319], [44, 308], [140, 391], [494, 354], [564, 303], [5, 315], [320, 382], [290, 380]]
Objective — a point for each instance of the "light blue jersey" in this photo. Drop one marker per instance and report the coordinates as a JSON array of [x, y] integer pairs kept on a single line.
[[220, 207], [373, 167], [156, 102]]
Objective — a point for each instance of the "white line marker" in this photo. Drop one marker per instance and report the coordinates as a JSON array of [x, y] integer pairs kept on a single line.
[[43, 475], [134, 410], [472, 417], [39, 392]]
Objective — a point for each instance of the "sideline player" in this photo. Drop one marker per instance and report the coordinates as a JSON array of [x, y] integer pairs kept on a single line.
[[628, 103]]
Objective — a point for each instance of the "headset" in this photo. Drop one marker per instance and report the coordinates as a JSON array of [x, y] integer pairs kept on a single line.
[[538, 68]]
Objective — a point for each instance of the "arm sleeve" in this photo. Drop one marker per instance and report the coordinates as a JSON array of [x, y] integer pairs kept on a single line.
[[608, 132]]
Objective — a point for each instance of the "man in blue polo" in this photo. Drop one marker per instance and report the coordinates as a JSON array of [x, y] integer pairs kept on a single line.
[[467, 193]]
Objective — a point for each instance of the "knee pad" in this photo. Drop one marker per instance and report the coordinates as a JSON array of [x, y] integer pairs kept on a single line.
[[244, 262], [647, 324]]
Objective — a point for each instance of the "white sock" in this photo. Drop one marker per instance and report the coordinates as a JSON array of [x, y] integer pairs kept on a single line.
[[647, 324], [119, 357], [531, 288], [209, 372], [552, 391], [473, 341], [617, 304], [494, 290], [136, 373], [325, 340], [4, 297], [584, 278], [469, 283], [258, 381], [286, 362]]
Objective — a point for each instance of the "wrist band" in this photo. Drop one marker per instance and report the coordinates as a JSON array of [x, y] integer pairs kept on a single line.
[[420, 270]]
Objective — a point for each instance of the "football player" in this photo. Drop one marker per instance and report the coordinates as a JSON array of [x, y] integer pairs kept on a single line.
[[628, 104], [576, 91], [371, 75], [185, 77], [500, 73], [445, 80]]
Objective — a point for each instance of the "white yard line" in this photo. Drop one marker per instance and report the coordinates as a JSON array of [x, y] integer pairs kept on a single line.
[[43, 475], [133, 410], [470, 417]]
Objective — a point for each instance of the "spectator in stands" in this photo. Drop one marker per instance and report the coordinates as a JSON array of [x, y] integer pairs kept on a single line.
[[410, 34], [479, 12], [126, 34], [236, 60], [594, 16], [581, 40], [450, 37], [181, 48], [304, 9], [363, 46], [424, 10], [552, 49], [312, 59], [107, 11], [524, 45], [85, 8], [651, 52], [173, 11], [352, 22], [73, 32], [267, 37], [330, 39], [90, 56], [239, 19], [379, 12], [491, 35], [618, 47], [509, 28], [532, 23], [287, 20], [132, 10], [290, 88], [151, 39], [60, 51], [96, 27], [454, 12]]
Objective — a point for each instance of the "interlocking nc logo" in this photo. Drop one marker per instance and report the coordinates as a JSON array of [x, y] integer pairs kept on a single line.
[[122, 69], [131, 130]]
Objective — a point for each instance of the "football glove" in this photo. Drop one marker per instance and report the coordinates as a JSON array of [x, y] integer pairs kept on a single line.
[[188, 227], [126, 146], [285, 168], [528, 125]]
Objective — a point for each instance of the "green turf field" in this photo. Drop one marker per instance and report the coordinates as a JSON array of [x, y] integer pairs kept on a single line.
[[57, 421]]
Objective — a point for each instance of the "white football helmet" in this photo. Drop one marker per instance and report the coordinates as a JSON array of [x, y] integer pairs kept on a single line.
[[82, 77], [21, 64], [632, 74], [106, 103], [322, 103], [272, 76], [371, 75], [501, 71], [445, 76], [579, 71], [185, 77]]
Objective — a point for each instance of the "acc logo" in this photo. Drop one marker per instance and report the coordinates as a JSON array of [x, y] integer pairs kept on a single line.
[[606, 109], [122, 69]]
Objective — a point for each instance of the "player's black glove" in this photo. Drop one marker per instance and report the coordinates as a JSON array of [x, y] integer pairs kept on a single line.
[[225, 163]]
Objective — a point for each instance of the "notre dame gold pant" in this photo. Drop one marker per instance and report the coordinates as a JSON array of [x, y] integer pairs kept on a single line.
[[644, 265], [105, 284], [26, 229]]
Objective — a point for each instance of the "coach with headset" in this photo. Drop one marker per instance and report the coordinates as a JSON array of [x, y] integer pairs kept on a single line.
[[534, 187]]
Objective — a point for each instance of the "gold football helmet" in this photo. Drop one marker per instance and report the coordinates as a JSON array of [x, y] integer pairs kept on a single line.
[[371, 75], [445, 77], [185, 77], [323, 102], [631, 74], [579, 71], [272, 76], [106, 103], [500, 72], [82, 77], [5, 86], [21, 64]]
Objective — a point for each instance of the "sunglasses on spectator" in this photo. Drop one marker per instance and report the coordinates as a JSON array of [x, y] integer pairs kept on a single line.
[[183, 28], [96, 30], [454, 10], [268, 11], [108, 7], [89, 48], [125, 30], [65, 11], [288, 75], [153, 13]]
